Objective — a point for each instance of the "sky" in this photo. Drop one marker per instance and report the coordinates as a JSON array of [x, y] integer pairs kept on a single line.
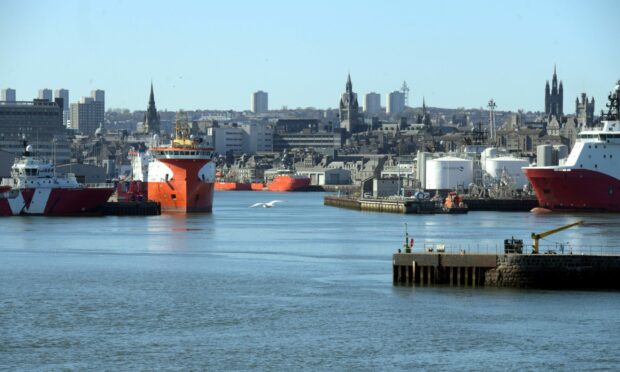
[[214, 54]]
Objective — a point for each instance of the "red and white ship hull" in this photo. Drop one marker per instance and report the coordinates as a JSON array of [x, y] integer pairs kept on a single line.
[[574, 189], [182, 185], [589, 178], [53, 201]]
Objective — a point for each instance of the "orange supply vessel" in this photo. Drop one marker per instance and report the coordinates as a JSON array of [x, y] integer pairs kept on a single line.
[[257, 186], [287, 180], [232, 186], [181, 176]]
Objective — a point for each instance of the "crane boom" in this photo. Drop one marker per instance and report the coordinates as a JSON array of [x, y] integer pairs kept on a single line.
[[536, 237]]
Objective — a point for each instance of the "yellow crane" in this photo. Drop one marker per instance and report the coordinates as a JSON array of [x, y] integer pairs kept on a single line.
[[536, 237]]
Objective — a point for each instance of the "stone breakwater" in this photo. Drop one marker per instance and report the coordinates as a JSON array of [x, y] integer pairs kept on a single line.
[[555, 271], [508, 270]]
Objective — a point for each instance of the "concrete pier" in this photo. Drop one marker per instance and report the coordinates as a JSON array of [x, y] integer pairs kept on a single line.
[[409, 206], [508, 270], [414, 206]]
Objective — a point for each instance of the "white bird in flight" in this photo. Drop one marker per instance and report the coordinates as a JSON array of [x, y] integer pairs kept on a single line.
[[267, 205]]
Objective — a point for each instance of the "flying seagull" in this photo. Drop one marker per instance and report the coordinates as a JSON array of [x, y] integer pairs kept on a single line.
[[266, 205]]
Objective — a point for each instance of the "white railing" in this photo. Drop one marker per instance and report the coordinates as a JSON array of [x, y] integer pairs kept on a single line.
[[565, 249], [98, 185]]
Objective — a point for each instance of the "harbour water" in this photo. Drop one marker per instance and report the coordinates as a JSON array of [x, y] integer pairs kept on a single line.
[[300, 285]]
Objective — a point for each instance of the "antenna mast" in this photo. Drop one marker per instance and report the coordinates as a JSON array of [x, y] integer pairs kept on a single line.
[[405, 90]]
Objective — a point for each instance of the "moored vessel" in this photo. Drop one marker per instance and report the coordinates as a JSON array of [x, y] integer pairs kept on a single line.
[[181, 176], [453, 204], [589, 179], [287, 180], [257, 186], [35, 189], [232, 186]]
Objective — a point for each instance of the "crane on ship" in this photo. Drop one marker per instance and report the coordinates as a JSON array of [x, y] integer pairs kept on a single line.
[[537, 236]]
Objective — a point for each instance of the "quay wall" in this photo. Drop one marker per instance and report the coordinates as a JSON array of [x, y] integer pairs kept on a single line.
[[131, 208], [381, 205], [508, 270], [342, 202], [555, 271]]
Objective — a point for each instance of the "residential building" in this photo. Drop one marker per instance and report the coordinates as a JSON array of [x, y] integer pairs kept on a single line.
[[87, 115], [98, 95], [45, 94], [64, 94], [395, 103], [7, 95], [260, 102], [372, 103]]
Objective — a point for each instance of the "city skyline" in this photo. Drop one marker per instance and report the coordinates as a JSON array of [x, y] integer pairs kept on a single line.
[[213, 55]]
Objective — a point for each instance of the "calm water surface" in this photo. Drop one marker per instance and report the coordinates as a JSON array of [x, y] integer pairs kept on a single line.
[[296, 286]]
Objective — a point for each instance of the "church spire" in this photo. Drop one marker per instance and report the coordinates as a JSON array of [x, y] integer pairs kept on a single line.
[[349, 85], [151, 117], [152, 97]]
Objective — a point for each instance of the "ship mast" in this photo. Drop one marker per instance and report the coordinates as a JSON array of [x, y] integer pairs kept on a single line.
[[182, 130], [613, 106]]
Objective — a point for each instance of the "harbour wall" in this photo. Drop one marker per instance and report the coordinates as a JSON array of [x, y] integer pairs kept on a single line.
[[508, 270], [415, 206], [408, 206], [131, 208], [555, 271]]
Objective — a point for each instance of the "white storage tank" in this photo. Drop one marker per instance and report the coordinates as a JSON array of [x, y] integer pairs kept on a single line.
[[496, 166], [488, 153], [448, 172]]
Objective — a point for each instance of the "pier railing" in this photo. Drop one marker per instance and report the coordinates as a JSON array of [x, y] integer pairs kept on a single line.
[[566, 249]]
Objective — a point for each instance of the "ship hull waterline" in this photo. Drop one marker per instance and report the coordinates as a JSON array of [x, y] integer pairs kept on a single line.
[[55, 201], [574, 189]]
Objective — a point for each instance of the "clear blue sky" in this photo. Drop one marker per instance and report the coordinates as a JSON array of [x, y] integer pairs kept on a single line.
[[214, 54]]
